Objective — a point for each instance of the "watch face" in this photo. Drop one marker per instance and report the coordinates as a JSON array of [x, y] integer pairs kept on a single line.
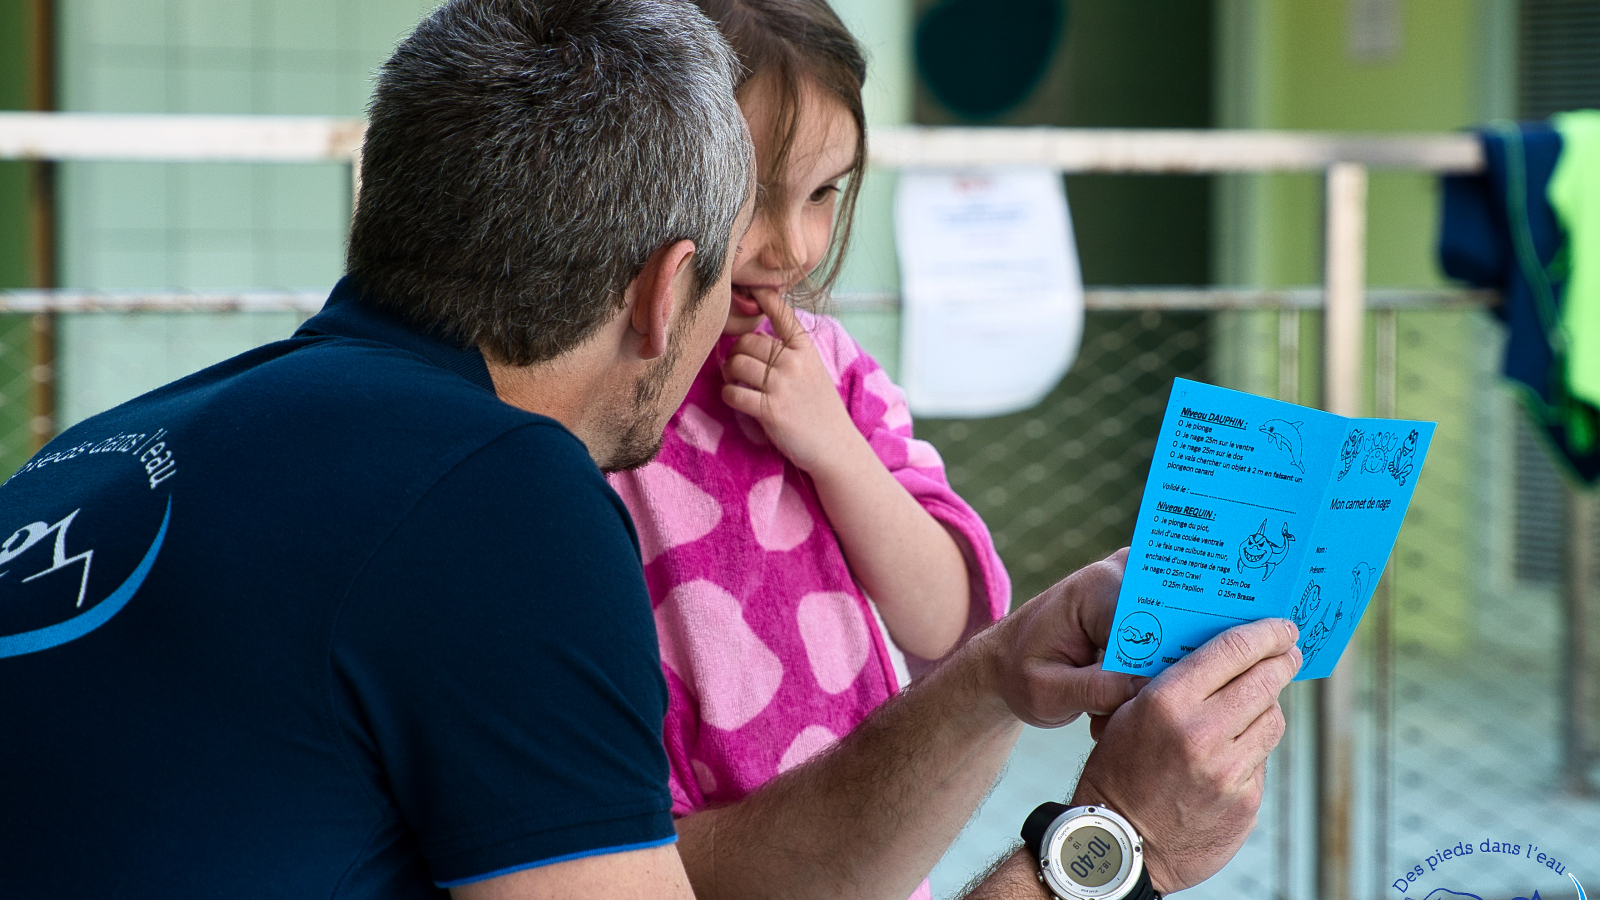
[[1091, 856], [1090, 853]]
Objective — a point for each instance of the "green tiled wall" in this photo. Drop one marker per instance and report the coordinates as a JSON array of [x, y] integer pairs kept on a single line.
[[16, 244], [204, 226]]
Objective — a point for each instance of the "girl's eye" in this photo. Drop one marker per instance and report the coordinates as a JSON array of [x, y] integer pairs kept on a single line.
[[823, 193]]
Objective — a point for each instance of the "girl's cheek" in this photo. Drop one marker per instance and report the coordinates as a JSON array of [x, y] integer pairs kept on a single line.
[[820, 233]]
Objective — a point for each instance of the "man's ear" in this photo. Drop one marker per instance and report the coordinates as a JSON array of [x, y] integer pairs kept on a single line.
[[655, 293]]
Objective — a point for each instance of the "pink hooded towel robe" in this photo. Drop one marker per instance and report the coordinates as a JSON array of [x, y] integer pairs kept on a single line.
[[770, 649]]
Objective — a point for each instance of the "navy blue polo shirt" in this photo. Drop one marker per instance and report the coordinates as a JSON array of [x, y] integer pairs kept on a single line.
[[327, 619]]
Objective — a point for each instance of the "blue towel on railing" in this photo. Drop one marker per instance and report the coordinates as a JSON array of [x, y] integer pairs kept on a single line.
[[1499, 231]]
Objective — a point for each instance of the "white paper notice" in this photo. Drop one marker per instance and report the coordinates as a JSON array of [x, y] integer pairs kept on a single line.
[[992, 298]]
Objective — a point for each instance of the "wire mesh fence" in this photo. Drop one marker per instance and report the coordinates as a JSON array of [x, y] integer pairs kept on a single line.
[[1480, 705], [1464, 691], [1060, 483], [1466, 697], [18, 380]]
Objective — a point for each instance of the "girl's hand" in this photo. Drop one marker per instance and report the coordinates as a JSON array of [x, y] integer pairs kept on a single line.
[[904, 558], [780, 380]]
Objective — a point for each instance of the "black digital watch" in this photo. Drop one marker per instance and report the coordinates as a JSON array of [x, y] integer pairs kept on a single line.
[[1087, 853]]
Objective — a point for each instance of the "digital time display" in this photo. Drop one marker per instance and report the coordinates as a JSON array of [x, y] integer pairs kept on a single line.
[[1091, 856]]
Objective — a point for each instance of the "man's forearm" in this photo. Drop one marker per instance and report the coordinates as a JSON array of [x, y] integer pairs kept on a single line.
[[872, 816], [1015, 877]]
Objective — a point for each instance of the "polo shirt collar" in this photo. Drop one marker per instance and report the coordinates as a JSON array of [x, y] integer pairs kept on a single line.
[[349, 314]]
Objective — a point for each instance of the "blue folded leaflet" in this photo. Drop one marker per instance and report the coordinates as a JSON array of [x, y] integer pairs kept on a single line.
[[1254, 509]]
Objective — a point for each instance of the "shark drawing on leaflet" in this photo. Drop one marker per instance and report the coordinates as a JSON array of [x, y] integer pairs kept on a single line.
[[1259, 552], [1286, 435]]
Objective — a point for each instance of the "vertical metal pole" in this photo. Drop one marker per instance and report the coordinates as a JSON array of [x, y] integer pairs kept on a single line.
[[1344, 318], [1293, 707], [42, 223], [1576, 687], [1289, 355], [1385, 378], [355, 194], [355, 180], [42, 373], [1346, 271]]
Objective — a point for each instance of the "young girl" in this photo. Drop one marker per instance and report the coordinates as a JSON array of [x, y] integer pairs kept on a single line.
[[788, 489]]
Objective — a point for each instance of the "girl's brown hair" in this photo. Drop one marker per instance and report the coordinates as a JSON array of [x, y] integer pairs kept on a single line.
[[785, 44]]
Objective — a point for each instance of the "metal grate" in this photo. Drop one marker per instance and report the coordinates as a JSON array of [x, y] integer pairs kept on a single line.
[[1539, 510], [1559, 57], [1459, 711], [1060, 483], [1559, 69], [17, 379]]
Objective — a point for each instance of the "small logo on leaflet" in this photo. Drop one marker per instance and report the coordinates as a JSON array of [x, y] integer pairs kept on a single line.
[[1140, 635]]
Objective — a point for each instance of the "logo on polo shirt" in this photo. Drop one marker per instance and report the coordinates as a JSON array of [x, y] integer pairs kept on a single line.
[[56, 584], [50, 545]]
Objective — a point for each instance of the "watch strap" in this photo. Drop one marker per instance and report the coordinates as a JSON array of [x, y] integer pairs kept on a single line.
[[1143, 888], [1038, 821]]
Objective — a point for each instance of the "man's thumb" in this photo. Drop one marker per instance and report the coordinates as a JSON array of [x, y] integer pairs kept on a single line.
[[1081, 690], [1104, 692]]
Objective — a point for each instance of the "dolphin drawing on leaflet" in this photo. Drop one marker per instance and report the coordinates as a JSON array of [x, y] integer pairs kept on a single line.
[[1286, 435], [1362, 577]]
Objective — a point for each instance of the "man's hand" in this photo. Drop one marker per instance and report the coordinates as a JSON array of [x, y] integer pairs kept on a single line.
[[780, 380], [1185, 759], [871, 816], [1047, 652]]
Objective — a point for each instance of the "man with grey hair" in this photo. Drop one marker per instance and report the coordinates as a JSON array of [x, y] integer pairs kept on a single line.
[[356, 615]]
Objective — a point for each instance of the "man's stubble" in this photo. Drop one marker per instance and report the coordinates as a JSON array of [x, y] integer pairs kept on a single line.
[[641, 438]]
